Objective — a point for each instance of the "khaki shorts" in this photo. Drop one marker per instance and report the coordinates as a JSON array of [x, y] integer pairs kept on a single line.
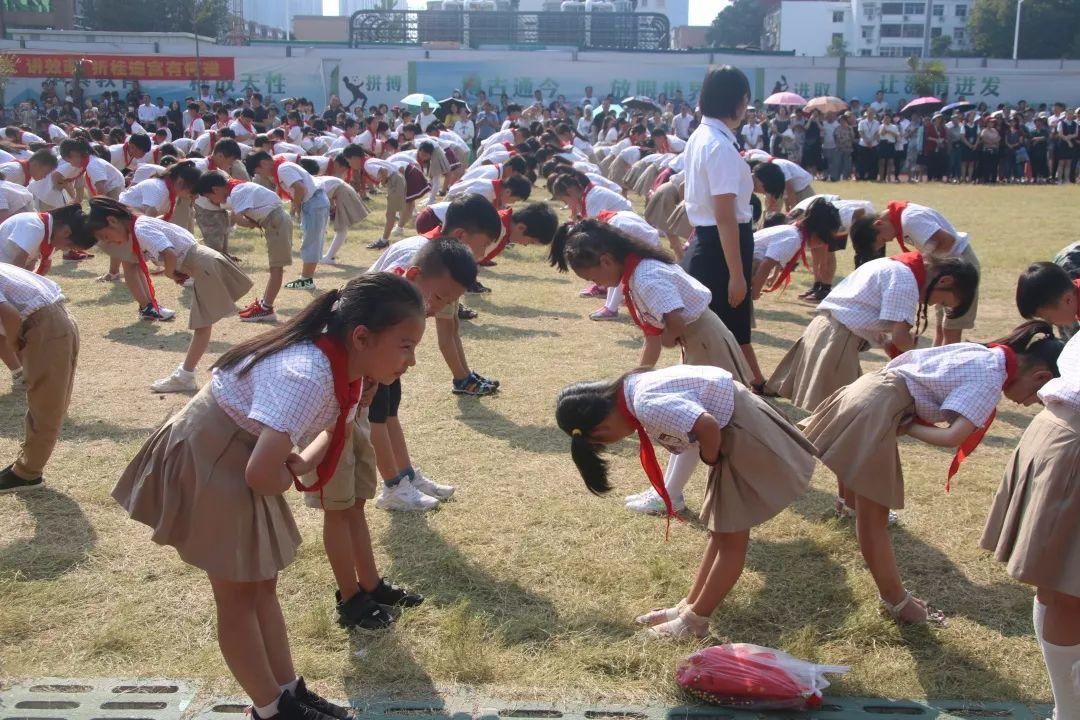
[[967, 320], [278, 227], [356, 476], [395, 193]]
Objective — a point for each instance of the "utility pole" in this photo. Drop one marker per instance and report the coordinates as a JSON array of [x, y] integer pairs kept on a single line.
[[1016, 31], [198, 62]]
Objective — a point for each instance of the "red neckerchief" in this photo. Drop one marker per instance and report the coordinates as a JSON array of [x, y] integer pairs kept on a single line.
[[170, 186], [1076, 284], [191, 126], [247, 125], [605, 216], [86, 176], [784, 279], [972, 441], [399, 271], [647, 455], [25, 165], [347, 394], [277, 179], [896, 213], [914, 262], [506, 216], [508, 146], [496, 185], [157, 155], [213, 140], [585, 194], [232, 182], [629, 266], [142, 264], [434, 233], [44, 262], [127, 154]]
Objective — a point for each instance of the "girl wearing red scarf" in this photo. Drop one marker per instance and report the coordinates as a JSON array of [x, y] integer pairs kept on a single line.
[[943, 396], [229, 454], [760, 463]]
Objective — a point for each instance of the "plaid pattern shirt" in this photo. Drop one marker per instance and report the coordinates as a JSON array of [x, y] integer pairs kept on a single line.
[[961, 379], [26, 291], [1065, 390], [873, 297], [156, 235], [657, 288], [668, 402]]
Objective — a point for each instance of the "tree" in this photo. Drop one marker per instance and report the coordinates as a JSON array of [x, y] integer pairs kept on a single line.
[[837, 48], [159, 16], [1048, 28], [940, 46], [926, 77], [740, 23]]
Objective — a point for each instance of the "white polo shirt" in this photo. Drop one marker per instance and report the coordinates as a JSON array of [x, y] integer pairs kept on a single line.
[[714, 167]]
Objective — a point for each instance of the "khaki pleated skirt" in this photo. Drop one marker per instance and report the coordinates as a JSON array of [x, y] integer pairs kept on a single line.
[[707, 341], [660, 206], [679, 223], [349, 208], [854, 430], [765, 465], [823, 360], [617, 172], [635, 172], [806, 192], [187, 484], [183, 215], [644, 181], [217, 283], [1034, 522]]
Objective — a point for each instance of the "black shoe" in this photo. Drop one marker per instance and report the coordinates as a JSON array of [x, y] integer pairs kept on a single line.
[[465, 313], [477, 288], [10, 482], [813, 289], [378, 245], [290, 708], [313, 701], [387, 593], [363, 612]]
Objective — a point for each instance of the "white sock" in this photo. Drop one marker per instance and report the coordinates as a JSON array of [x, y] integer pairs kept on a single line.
[[614, 298], [680, 469], [290, 687], [268, 711], [335, 245], [1062, 665], [1038, 617], [184, 372]]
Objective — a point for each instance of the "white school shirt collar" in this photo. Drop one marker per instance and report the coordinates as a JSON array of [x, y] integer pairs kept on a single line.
[[721, 126]]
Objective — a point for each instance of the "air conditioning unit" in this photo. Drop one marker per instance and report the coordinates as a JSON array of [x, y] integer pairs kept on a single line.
[[479, 5], [623, 6], [599, 6], [572, 6]]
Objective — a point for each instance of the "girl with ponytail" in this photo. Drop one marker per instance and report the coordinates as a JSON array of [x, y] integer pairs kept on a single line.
[[584, 199], [668, 306], [778, 249], [210, 482], [943, 396], [760, 464], [216, 281], [160, 196]]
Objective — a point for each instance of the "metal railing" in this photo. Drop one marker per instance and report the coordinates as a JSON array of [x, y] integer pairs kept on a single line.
[[593, 30]]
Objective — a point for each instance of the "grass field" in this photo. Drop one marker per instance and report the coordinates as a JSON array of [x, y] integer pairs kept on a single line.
[[532, 583]]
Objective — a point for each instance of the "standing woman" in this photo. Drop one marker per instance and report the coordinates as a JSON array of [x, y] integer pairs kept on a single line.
[[717, 200]]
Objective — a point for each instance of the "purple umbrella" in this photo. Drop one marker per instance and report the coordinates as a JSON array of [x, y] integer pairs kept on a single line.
[[927, 104]]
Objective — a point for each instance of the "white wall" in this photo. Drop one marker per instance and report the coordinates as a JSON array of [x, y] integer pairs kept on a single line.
[[807, 27]]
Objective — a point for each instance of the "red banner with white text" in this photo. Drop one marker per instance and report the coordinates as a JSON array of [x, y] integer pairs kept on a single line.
[[122, 67]]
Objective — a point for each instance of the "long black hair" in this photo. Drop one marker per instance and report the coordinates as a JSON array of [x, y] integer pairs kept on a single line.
[[185, 172], [821, 219], [863, 234], [101, 209], [579, 408], [580, 245], [965, 287], [377, 301], [771, 177], [1035, 345]]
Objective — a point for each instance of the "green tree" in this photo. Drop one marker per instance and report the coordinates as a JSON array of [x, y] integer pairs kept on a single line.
[[837, 48], [941, 46], [159, 16], [740, 23], [1048, 28], [926, 76]]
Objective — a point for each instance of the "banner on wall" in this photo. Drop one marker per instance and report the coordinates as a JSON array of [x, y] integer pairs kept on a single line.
[[365, 83], [992, 86], [122, 67]]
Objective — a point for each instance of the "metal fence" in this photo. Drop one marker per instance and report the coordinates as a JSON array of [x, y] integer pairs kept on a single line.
[[588, 31]]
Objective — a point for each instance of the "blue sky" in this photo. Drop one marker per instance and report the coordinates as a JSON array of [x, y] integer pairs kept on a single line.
[[702, 12]]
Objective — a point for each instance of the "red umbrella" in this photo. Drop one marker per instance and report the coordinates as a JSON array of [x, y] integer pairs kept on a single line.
[[786, 98], [923, 104]]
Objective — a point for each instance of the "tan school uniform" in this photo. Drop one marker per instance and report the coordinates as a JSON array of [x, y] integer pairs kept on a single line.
[[1034, 522], [356, 476], [765, 465], [644, 182], [823, 360], [349, 208], [187, 483], [49, 348], [854, 430], [635, 172], [214, 226], [660, 205], [805, 193], [183, 214], [617, 172], [217, 283], [707, 341], [277, 227], [395, 193], [679, 222]]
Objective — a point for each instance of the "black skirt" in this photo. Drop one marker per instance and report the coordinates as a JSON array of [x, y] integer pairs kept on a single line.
[[704, 260]]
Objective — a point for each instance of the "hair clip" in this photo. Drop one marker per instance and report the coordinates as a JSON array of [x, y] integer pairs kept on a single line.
[[575, 433]]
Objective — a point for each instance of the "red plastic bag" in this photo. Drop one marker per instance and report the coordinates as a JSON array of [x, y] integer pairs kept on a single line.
[[754, 677]]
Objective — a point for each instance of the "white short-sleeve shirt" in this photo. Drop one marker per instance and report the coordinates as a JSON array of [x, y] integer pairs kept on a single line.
[[846, 208], [635, 226], [921, 222], [156, 236], [97, 170], [599, 199], [151, 193], [23, 231], [14, 197], [399, 255], [657, 288], [291, 391], [779, 243], [329, 184], [374, 166], [289, 174], [483, 172], [793, 173], [873, 297], [714, 167], [1062, 391], [253, 201], [13, 172], [477, 186], [960, 379], [668, 402], [26, 291], [600, 181]]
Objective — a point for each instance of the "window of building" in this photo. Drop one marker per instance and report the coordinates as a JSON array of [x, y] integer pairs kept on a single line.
[[837, 39], [912, 52], [660, 4], [913, 30], [888, 51], [867, 32], [958, 34], [892, 8], [838, 16], [961, 11], [865, 52], [935, 32], [939, 11], [914, 8], [891, 30]]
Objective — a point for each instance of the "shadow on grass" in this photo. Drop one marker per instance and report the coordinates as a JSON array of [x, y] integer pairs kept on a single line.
[[483, 305], [1016, 419], [63, 538], [407, 678], [478, 414], [489, 331], [771, 315], [941, 668], [112, 293], [517, 277], [763, 338], [13, 405], [152, 336], [72, 270]]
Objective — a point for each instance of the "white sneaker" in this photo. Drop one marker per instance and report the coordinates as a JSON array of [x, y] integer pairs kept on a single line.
[[425, 485], [179, 381], [329, 260], [652, 504], [399, 231], [640, 495], [404, 496]]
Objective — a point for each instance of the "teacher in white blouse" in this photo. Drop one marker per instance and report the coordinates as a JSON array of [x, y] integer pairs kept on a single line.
[[717, 200]]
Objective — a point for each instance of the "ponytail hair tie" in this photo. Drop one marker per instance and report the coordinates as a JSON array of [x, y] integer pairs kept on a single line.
[[575, 433]]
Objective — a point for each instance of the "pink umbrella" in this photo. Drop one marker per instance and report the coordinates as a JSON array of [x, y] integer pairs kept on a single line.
[[786, 98], [928, 104]]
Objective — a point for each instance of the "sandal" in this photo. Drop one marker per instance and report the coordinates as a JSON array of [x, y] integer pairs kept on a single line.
[[489, 381], [688, 625], [933, 617], [658, 616], [474, 385]]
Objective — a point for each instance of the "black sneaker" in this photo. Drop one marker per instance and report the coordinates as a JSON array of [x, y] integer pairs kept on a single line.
[[465, 313], [156, 314], [387, 593], [477, 288], [10, 482], [301, 284], [363, 612], [290, 708], [313, 701], [378, 245]]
